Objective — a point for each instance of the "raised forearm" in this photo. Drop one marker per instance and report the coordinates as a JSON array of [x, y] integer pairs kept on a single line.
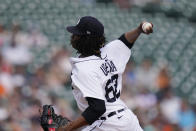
[[132, 36]]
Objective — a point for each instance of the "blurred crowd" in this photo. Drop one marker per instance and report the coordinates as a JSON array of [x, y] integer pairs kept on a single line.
[[22, 91], [149, 93], [146, 90]]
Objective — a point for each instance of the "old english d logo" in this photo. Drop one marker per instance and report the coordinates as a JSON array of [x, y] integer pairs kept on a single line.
[[78, 22]]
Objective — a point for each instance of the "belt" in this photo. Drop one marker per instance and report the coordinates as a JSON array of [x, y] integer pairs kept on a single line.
[[111, 114]]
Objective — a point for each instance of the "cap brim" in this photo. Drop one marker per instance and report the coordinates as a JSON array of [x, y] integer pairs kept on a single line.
[[74, 30]]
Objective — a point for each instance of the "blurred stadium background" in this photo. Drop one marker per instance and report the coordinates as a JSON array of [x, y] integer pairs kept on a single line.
[[160, 79]]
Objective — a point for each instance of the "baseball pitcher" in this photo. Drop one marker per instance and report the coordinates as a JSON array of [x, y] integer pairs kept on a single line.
[[97, 78]]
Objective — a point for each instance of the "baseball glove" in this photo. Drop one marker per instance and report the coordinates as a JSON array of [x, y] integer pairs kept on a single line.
[[51, 121]]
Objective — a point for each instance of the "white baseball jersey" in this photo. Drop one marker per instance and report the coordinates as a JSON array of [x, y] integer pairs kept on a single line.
[[101, 78]]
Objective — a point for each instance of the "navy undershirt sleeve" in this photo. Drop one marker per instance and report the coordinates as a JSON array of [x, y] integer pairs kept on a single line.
[[124, 40], [95, 109]]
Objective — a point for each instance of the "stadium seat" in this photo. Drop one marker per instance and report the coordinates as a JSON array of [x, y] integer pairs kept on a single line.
[[173, 39]]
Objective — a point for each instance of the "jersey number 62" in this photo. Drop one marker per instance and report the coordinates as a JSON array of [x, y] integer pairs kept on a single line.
[[111, 89]]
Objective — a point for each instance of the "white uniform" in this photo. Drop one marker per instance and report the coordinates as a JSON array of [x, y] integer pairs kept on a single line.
[[101, 78]]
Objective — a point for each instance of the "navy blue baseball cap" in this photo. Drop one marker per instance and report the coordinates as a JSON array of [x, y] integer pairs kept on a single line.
[[87, 25]]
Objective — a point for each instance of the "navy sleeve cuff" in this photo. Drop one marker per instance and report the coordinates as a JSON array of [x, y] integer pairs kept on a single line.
[[95, 110], [124, 40]]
